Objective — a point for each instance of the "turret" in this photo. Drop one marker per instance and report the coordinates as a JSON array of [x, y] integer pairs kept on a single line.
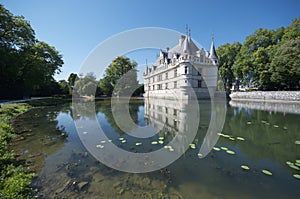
[[212, 53]]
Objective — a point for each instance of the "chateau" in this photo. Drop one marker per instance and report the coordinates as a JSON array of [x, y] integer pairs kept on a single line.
[[183, 72]]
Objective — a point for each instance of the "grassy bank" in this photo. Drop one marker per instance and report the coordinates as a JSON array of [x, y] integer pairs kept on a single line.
[[15, 180]]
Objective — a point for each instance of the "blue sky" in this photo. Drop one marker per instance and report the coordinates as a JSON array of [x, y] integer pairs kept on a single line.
[[76, 27]]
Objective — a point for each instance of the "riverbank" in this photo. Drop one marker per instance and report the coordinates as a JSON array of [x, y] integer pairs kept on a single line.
[[15, 181], [267, 96]]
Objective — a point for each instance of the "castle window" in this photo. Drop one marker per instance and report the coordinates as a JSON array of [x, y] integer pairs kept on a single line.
[[166, 85], [175, 72], [175, 84], [166, 75], [185, 70], [199, 84]]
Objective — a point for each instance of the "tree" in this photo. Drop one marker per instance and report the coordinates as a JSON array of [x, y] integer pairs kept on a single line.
[[227, 55], [71, 79], [292, 31], [26, 64], [120, 75], [86, 86], [285, 66]]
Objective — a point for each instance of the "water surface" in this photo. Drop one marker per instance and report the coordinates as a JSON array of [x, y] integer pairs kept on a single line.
[[66, 169]]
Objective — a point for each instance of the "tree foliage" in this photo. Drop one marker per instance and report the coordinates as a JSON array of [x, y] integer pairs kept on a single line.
[[26, 64], [120, 77], [268, 59]]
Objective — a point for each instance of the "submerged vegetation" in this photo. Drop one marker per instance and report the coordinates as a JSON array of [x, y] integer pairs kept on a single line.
[[15, 181]]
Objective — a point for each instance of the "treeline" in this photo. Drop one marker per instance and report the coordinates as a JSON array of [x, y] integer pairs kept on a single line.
[[267, 60], [27, 65], [120, 79]]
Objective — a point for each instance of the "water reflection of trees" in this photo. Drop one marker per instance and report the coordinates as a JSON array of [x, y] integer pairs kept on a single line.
[[106, 109], [263, 139]]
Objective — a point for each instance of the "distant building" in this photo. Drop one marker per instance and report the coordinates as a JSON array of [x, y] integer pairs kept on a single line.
[[181, 71]]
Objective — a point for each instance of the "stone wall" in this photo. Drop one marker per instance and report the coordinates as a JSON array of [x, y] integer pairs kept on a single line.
[[282, 96]]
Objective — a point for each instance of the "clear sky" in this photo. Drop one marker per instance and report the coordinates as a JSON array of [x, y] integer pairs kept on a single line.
[[76, 27]]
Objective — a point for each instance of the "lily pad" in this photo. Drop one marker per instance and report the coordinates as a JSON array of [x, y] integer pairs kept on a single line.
[[138, 144], [296, 176], [226, 136], [230, 152], [193, 146], [216, 149], [224, 148], [293, 166], [245, 167], [297, 142], [100, 146], [240, 138], [288, 162], [267, 172], [154, 142]]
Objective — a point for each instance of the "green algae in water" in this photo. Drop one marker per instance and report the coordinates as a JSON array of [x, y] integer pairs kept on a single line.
[[267, 172], [245, 167]]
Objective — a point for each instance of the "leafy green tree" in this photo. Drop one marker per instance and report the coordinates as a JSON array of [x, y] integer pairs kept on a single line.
[[120, 75], [105, 86], [285, 66], [255, 55], [227, 55], [292, 31], [71, 79], [26, 64], [64, 87], [86, 86]]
